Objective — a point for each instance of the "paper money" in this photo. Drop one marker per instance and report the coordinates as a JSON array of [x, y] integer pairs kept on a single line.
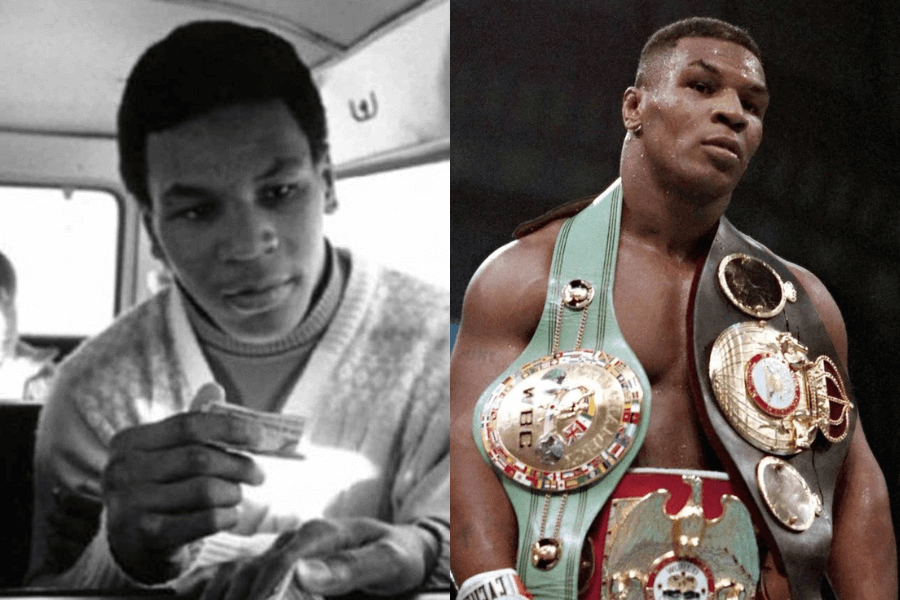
[[280, 433]]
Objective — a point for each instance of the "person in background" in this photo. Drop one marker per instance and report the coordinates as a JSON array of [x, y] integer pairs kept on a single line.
[[223, 144], [25, 370]]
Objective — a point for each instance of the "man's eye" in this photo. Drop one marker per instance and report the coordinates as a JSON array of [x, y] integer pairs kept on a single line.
[[277, 192], [194, 213], [702, 87], [750, 107]]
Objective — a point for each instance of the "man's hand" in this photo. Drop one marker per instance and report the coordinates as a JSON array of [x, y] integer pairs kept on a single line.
[[332, 558], [169, 483]]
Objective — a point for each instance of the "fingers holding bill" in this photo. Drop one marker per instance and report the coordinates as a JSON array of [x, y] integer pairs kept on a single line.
[[392, 564], [330, 558], [169, 483], [188, 428]]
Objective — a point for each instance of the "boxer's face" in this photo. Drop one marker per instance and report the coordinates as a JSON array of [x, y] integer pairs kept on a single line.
[[238, 205], [701, 113]]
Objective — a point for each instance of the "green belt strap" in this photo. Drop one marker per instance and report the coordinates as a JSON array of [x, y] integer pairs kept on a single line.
[[586, 248]]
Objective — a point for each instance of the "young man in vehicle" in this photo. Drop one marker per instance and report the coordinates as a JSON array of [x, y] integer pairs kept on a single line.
[[25, 371], [695, 316], [222, 140]]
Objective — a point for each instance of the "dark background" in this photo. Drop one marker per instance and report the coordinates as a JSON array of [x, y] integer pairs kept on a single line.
[[536, 90]]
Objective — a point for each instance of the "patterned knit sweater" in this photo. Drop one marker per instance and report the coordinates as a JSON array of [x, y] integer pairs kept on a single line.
[[374, 394]]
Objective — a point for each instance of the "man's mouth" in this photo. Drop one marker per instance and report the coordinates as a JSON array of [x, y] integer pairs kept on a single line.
[[725, 143], [261, 296]]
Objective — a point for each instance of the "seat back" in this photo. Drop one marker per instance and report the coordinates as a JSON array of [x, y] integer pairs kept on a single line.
[[18, 423]]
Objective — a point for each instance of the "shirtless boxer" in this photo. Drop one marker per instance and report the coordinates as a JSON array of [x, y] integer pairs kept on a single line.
[[694, 118]]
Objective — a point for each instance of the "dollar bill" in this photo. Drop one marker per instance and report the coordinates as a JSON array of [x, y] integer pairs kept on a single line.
[[280, 434]]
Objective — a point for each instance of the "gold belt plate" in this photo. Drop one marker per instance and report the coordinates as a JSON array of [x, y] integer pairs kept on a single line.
[[562, 422], [772, 394], [651, 555]]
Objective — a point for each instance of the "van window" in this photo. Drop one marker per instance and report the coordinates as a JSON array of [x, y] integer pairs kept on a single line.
[[399, 218], [64, 247]]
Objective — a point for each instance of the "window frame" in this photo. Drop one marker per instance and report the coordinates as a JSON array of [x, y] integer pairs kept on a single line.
[[120, 202]]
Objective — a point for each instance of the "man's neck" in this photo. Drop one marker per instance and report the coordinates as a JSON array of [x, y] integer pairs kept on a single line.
[[331, 275], [670, 219]]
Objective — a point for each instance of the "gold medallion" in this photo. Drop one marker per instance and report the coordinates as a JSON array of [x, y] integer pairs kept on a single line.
[[577, 294], [753, 286], [786, 494], [772, 394], [680, 577], [545, 553], [562, 421]]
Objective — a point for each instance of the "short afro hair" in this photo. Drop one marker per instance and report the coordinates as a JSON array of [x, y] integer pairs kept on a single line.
[[667, 38], [206, 65]]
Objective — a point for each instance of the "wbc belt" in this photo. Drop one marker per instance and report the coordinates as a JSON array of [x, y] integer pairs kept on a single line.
[[772, 399], [564, 421]]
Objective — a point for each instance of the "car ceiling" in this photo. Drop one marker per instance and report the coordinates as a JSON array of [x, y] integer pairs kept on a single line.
[[64, 62]]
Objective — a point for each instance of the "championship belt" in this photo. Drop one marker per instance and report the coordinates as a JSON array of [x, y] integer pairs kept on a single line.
[[773, 400], [669, 533], [565, 420]]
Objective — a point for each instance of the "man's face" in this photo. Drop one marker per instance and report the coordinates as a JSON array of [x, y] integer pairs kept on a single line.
[[702, 114], [237, 213]]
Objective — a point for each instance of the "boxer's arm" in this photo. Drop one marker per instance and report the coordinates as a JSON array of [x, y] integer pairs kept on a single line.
[[863, 562], [501, 310]]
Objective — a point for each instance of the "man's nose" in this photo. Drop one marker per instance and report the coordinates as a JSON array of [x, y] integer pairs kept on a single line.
[[730, 111], [248, 235]]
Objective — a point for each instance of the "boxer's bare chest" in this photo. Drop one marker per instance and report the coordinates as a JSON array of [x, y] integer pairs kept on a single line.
[[651, 298]]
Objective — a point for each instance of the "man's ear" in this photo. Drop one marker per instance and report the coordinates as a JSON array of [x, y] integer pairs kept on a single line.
[[155, 247], [327, 173], [631, 108]]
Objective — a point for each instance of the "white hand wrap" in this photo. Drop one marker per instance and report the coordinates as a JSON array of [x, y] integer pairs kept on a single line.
[[502, 584]]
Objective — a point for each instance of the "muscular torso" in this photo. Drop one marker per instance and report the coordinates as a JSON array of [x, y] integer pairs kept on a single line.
[[651, 296], [651, 299]]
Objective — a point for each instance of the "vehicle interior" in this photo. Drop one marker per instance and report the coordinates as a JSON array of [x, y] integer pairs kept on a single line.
[[75, 238]]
